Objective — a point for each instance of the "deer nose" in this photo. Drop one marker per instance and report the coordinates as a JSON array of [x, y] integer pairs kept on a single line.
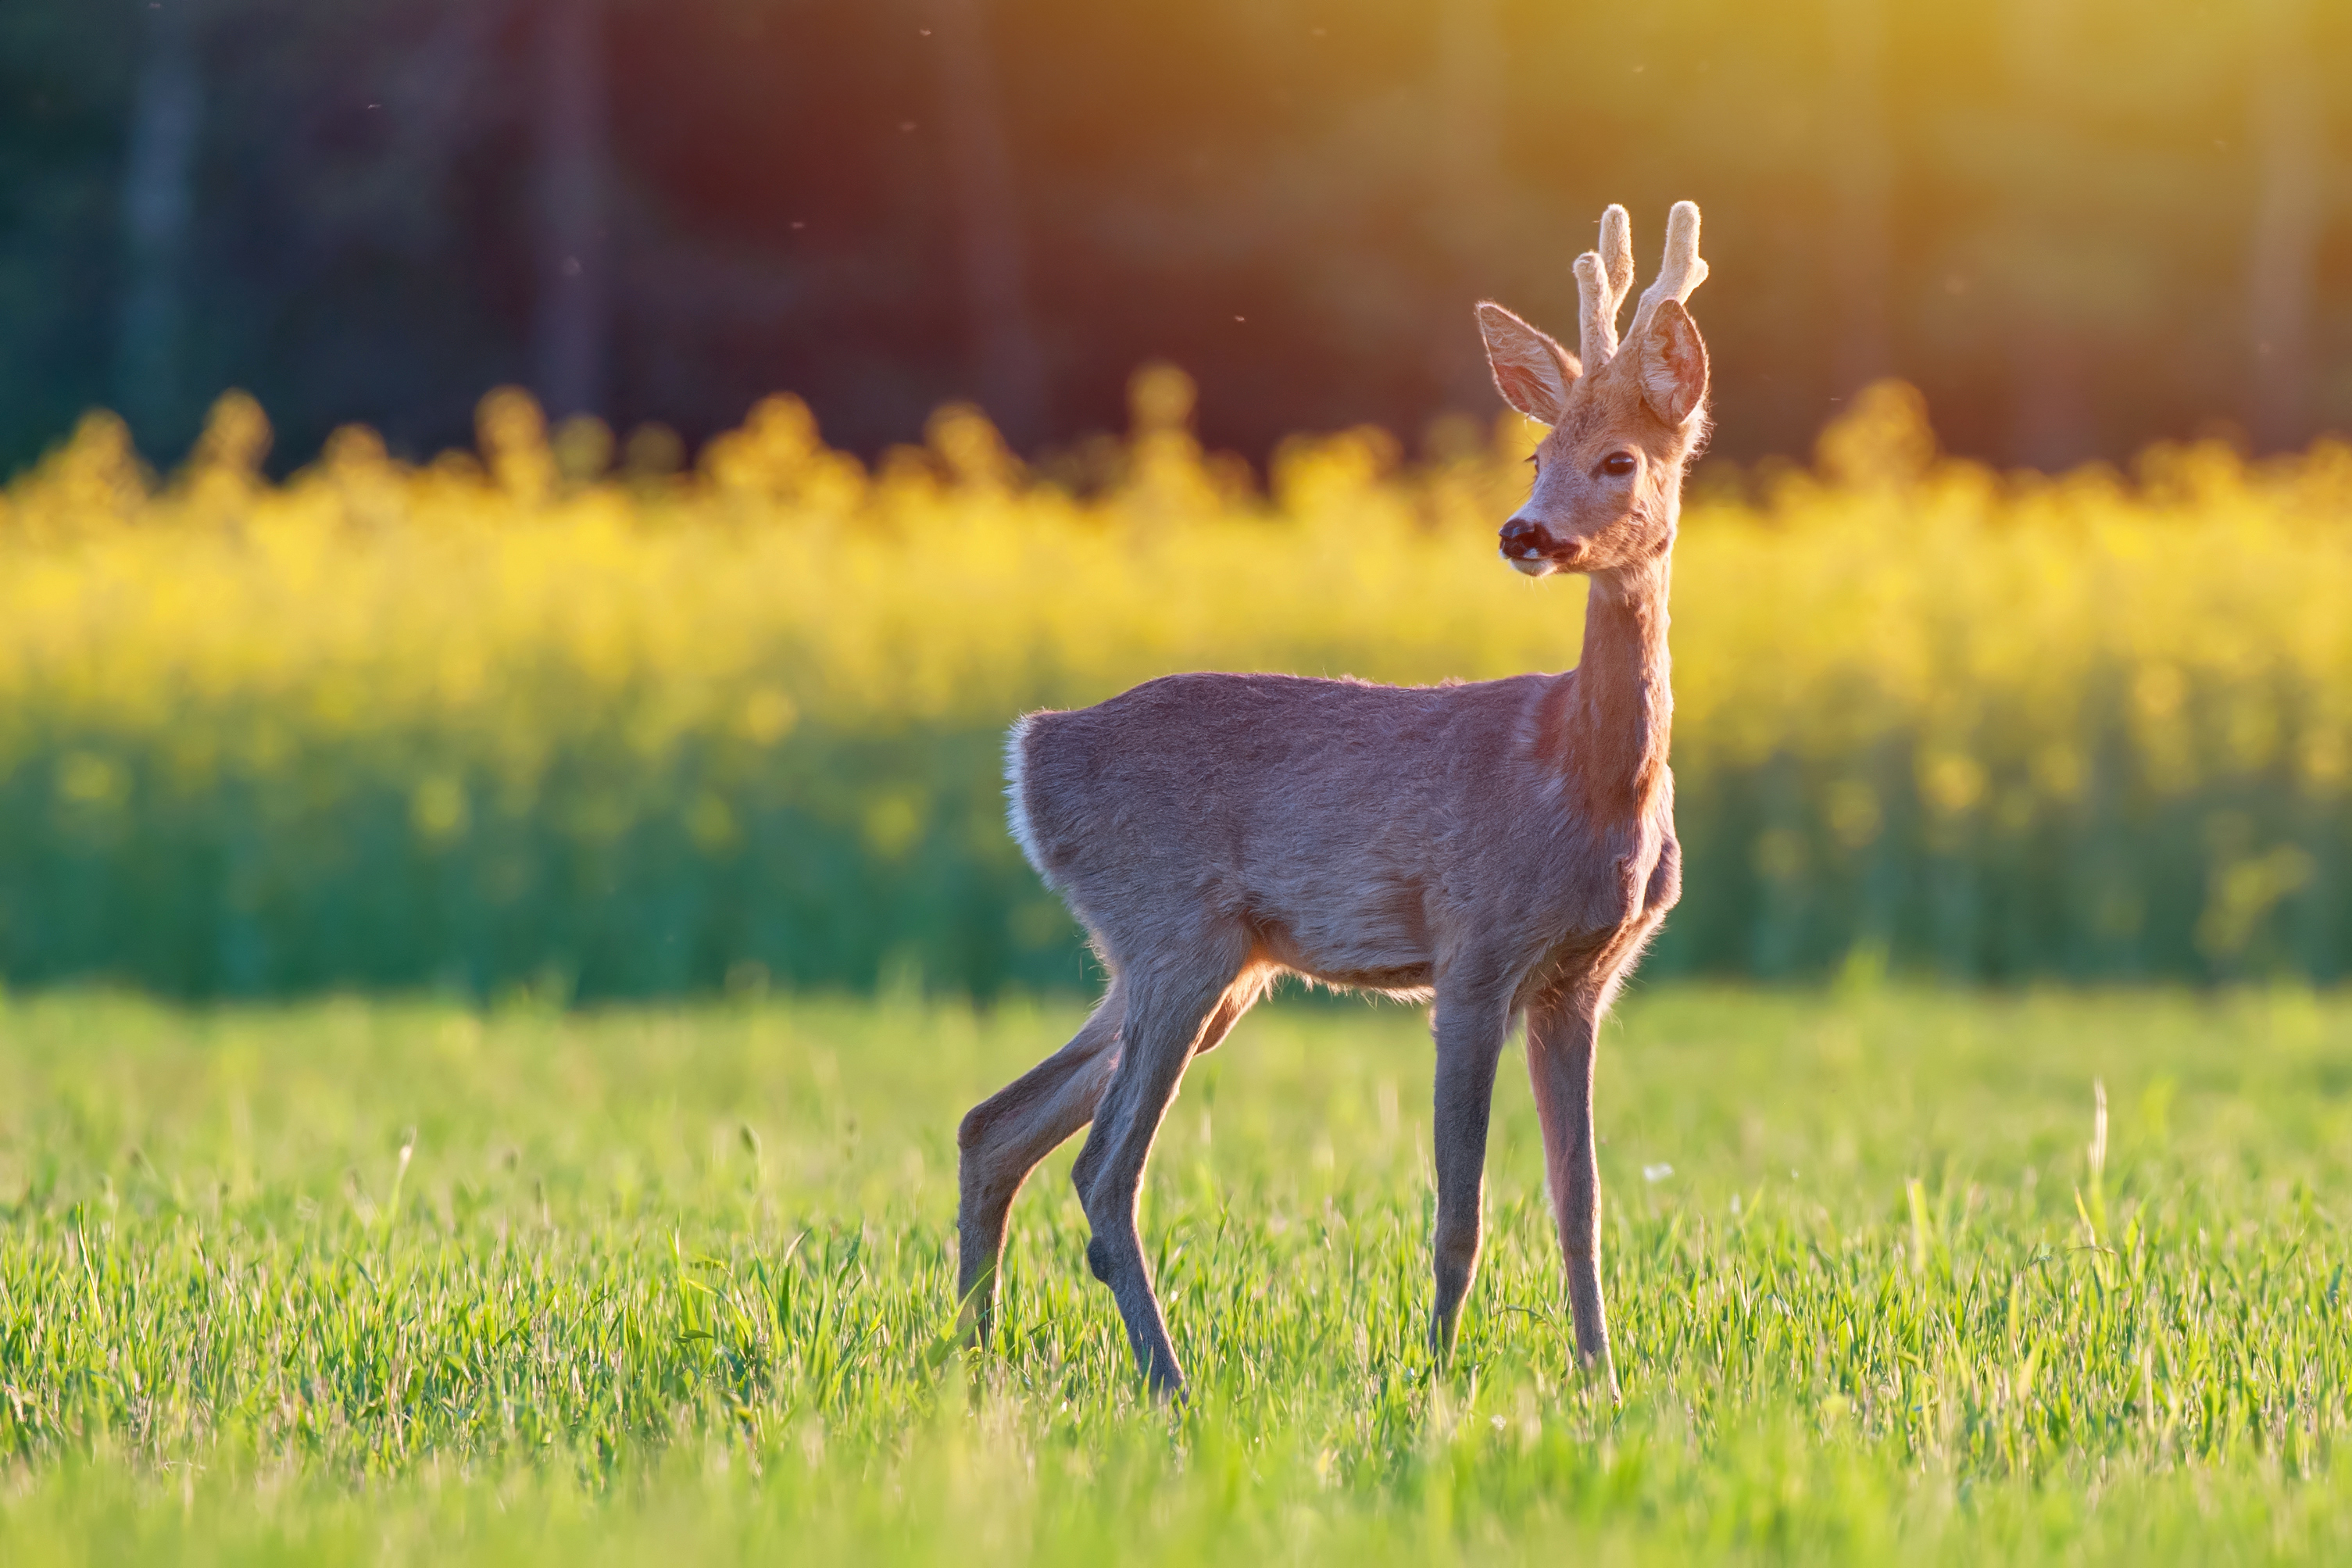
[[1525, 538]]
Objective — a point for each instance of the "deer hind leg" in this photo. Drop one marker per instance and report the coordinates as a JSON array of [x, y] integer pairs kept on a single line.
[[1005, 1136], [1169, 1017], [1559, 1063], [1470, 1026]]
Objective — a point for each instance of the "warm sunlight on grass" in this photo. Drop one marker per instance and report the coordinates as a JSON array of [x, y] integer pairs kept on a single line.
[[408, 1282]]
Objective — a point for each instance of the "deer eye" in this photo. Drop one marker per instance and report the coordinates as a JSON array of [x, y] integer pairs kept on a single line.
[[1620, 464]]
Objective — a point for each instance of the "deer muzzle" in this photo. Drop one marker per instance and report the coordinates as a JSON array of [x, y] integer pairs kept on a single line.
[[1535, 549]]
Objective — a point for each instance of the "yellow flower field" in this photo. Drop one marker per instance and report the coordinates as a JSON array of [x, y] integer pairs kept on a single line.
[[518, 718]]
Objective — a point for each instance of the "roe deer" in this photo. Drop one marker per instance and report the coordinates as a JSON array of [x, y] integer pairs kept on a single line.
[[1506, 847]]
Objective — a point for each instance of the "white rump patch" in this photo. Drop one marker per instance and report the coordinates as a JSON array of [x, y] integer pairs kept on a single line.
[[1016, 795]]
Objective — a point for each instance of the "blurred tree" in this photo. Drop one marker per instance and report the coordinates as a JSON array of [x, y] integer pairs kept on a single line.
[[370, 225], [573, 324], [1008, 367], [1472, 88], [1861, 262], [2050, 424], [166, 112], [2290, 152], [885, 205], [68, 74]]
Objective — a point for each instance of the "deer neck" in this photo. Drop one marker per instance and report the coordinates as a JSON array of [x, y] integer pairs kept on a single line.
[[1619, 715]]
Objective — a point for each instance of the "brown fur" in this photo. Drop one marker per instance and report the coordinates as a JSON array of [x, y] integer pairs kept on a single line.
[[1505, 846]]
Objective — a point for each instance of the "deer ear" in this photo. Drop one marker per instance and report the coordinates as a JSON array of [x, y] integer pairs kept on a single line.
[[1673, 363], [1531, 371]]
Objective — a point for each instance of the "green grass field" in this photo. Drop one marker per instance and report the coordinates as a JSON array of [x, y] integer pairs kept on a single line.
[[404, 1282]]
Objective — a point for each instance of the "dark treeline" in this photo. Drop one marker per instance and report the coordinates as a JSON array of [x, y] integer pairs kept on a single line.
[[2079, 224]]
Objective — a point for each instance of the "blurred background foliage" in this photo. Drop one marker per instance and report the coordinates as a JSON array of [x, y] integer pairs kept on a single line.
[[628, 693], [2078, 226], [518, 718]]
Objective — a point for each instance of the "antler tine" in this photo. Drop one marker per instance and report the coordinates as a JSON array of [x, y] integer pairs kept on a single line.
[[1617, 250], [1602, 277], [1680, 272], [1596, 324]]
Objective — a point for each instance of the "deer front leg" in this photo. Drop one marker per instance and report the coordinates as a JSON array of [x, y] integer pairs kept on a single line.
[[1003, 1137], [1470, 1028], [1559, 1063]]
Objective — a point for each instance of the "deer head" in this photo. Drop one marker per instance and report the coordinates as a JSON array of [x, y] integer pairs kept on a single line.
[[1624, 419]]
